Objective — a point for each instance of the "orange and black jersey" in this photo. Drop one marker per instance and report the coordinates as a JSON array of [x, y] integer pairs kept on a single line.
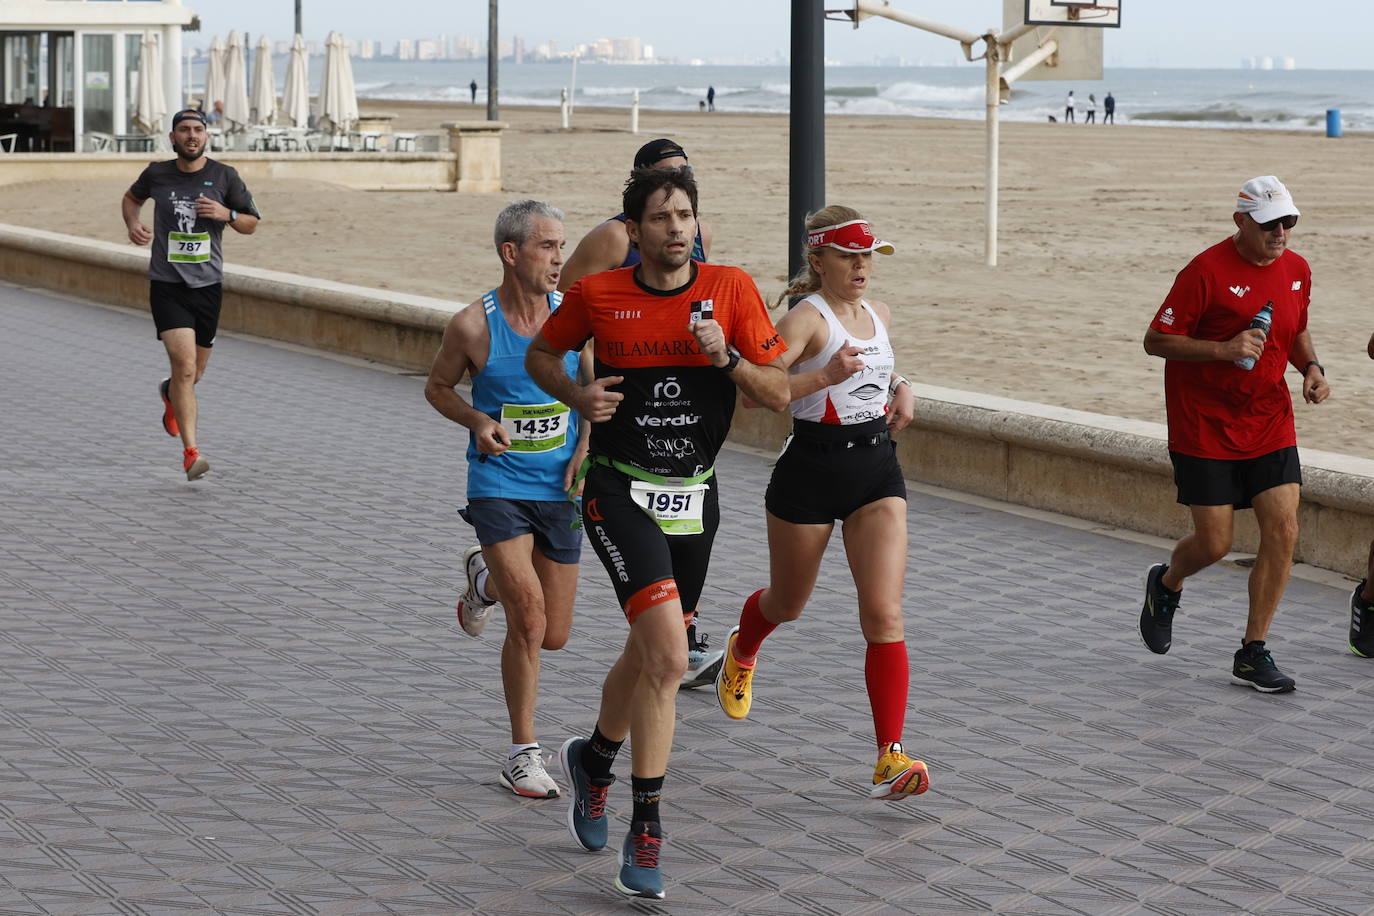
[[677, 406]]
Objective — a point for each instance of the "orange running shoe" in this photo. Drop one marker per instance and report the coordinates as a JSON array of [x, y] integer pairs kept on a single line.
[[897, 776], [194, 463], [169, 418]]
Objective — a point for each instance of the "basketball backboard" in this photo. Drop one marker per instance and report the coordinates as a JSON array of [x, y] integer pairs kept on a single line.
[[1080, 49], [1102, 14]]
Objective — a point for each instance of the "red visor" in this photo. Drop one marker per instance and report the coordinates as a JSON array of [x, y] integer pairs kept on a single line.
[[851, 236]]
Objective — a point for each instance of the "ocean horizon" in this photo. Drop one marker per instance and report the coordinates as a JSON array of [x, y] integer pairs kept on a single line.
[[1219, 99], [1230, 99]]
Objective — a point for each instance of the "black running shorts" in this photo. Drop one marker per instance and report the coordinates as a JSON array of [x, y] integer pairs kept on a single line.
[[1221, 482], [176, 305], [646, 566], [827, 472]]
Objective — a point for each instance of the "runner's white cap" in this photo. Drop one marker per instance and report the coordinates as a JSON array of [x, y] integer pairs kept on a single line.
[[1265, 198]]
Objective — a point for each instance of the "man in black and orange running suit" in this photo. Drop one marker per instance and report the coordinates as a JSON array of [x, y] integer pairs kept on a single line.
[[673, 340], [607, 247]]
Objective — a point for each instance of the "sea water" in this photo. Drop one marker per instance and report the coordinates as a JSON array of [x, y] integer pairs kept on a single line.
[[1234, 99]]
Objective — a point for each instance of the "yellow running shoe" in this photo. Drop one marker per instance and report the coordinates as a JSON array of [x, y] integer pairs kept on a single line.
[[734, 682], [897, 776]]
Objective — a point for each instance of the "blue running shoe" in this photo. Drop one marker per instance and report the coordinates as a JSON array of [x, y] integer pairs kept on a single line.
[[639, 875], [587, 802]]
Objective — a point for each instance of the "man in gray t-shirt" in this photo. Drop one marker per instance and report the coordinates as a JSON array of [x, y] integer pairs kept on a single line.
[[194, 197]]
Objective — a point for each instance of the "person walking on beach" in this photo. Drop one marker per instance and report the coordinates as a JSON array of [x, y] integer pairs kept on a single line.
[[1091, 116], [523, 452], [1068, 108], [1362, 598], [472, 90], [194, 198], [839, 463], [1109, 109], [1231, 435], [673, 339], [710, 98], [608, 247]]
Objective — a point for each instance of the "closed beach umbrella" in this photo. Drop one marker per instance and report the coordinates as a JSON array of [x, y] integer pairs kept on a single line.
[[150, 109], [338, 100], [214, 76], [264, 101], [236, 113], [295, 98]]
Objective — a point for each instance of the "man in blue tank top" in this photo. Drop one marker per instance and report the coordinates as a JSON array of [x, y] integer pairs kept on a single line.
[[523, 452], [607, 247]]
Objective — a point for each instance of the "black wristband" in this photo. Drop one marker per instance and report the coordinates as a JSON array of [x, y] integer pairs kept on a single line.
[[733, 356], [1312, 363]]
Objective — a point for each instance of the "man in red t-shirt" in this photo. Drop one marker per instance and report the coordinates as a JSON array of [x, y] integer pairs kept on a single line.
[[674, 338], [1231, 435]]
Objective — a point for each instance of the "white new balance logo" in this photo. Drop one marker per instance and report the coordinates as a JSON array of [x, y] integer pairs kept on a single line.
[[1240, 290], [1297, 284]]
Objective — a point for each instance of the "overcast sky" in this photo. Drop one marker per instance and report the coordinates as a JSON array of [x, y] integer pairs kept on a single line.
[[1332, 34]]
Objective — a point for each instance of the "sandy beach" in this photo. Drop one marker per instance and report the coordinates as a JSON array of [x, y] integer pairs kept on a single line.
[[1095, 222]]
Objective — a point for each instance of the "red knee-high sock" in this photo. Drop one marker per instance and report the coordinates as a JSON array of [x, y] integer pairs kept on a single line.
[[887, 676], [753, 630]]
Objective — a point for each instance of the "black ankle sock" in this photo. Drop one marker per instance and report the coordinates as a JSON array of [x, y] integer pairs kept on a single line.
[[598, 755], [646, 792], [1168, 592]]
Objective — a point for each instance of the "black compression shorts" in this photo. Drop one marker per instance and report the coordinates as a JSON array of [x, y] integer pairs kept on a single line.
[[827, 472], [646, 566]]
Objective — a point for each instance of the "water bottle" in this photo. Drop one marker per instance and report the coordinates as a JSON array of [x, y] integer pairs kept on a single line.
[[1263, 321]]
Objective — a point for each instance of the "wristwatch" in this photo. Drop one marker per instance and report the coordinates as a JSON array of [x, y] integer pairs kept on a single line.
[[733, 356], [1312, 363], [233, 215]]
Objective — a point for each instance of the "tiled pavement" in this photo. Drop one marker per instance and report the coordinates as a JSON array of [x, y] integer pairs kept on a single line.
[[249, 694]]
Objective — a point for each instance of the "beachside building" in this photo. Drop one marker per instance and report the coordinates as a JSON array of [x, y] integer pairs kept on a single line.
[[70, 67]]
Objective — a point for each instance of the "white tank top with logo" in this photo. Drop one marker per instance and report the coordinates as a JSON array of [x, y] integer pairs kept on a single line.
[[862, 396]]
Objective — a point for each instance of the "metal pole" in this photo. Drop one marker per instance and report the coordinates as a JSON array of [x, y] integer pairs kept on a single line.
[[298, 17], [806, 146], [993, 101], [493, 55]]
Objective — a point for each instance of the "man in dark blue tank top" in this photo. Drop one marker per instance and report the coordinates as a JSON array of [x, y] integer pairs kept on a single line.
[[523, 451], [607, 247]]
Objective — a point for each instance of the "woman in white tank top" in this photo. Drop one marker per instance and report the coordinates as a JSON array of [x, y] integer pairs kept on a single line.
[[839, 463]]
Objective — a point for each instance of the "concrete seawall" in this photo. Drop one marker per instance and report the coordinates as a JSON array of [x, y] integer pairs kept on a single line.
[[1106, 469]]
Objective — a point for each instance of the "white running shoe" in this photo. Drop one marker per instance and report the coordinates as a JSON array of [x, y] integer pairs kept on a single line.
[[524, 774], [473, 611], [702, 664]]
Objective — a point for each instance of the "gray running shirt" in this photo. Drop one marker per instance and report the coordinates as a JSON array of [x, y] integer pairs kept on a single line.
[[186, 247]]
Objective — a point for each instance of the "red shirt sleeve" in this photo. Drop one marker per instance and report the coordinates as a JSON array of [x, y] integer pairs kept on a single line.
[[1185, 303], [752, 332], [570, 324]]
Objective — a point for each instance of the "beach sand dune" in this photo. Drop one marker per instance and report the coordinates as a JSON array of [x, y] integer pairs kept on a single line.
[[1095, 222]]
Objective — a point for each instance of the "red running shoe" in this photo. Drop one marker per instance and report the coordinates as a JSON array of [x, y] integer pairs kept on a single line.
[[194, 463], [169, 419]]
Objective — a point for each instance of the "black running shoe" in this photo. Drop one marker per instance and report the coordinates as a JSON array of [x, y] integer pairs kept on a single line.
[[1361, 624], [1254, 667], [1157, 616]]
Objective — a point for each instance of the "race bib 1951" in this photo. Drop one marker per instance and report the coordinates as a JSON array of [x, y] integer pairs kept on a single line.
[[535, 427], [188, 247], [676, 509]]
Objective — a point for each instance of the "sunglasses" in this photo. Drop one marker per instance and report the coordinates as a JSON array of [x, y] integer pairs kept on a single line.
[[1287, 222]]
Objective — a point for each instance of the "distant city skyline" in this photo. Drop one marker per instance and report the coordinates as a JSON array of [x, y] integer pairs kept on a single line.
[[1154, 33]]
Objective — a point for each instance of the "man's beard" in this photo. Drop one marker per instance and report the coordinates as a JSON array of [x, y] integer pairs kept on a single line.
[[187, 156]]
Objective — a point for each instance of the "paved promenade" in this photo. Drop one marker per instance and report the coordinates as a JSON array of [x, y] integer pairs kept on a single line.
[[249, 694]]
